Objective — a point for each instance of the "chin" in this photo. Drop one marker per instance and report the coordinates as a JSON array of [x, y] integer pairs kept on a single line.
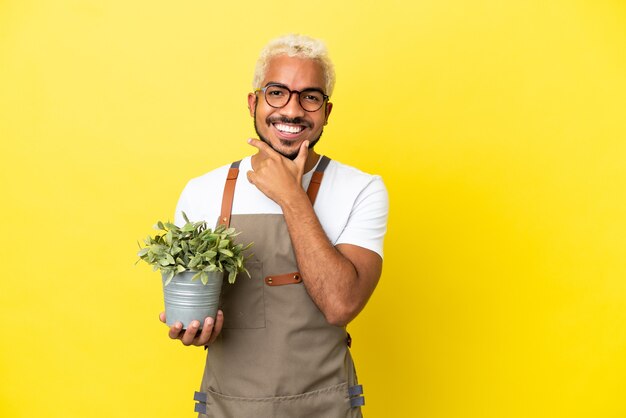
[[287, 149]]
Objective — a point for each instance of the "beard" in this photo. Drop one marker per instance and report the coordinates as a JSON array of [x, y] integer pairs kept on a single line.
[[292, 156]]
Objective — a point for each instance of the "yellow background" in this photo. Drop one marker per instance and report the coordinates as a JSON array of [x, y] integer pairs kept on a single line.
[[498, 127]]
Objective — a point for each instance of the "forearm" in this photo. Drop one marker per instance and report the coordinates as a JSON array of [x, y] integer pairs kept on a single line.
[[330, 278], [339, 279]]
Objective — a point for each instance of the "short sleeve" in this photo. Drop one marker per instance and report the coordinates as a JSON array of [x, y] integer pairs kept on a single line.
[[367, 222], [182, 206], [201, 198]]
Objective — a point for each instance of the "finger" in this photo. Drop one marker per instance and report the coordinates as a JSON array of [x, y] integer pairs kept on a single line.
[[191, 332], [263, 147], [162, 317], [204, 336], [303, 153], [175, 330], [250, 175], [219, 322]]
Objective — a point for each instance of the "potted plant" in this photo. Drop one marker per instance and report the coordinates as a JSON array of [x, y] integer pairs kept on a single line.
[[193, 260]]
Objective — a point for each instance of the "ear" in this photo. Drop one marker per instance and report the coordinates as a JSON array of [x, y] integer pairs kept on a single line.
[[251, 103], [329, 107]]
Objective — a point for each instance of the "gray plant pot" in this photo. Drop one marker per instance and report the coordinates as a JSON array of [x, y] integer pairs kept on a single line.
[[186, 299]]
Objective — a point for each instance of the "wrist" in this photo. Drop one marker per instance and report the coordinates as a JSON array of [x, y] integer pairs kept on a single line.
[[294, 202]]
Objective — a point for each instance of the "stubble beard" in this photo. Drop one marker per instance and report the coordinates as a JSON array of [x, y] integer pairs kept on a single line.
[[293, 155]]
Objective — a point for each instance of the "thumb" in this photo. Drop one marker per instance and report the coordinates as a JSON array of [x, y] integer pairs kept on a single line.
[[302, 156]]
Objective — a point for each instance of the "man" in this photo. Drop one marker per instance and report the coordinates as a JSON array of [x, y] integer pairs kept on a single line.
[[278, 346]]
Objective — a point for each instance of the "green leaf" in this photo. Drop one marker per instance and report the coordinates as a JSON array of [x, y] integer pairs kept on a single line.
[[188, 227], [209, 254], [157, 249], [231, 277], [169, 278], [143, 252], [226, 252], [195, 260]]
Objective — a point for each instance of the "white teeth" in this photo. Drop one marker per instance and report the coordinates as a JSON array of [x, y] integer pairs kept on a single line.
[[288, 128]]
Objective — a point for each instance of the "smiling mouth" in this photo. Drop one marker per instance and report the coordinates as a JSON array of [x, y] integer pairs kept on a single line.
[[288, 129]]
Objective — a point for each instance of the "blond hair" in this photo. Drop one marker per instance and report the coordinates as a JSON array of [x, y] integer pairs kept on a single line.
[[300, 46]]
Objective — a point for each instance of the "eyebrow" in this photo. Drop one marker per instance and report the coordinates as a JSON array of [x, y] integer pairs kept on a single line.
[[276, 83]]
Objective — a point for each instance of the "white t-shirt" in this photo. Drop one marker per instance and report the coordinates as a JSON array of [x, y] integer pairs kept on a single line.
[[351, 206]]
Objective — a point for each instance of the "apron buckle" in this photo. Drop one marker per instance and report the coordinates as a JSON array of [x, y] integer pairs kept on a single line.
[[355, 392], [200, 407]]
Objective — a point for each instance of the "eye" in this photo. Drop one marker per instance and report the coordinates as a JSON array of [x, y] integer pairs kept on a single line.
[[312, 96], [275, 92]]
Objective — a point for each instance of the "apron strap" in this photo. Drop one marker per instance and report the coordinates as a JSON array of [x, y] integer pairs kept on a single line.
[[231, 180], [229, 194], [316, 180], [283, 279]]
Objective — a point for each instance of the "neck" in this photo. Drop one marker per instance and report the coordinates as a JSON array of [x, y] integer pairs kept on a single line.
[[311, 160]]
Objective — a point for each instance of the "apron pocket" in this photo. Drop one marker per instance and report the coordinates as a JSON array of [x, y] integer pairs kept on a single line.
[[330, 402], [243, 302]]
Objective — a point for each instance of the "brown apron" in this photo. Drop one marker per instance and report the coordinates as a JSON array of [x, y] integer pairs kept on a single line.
[[276, 355]]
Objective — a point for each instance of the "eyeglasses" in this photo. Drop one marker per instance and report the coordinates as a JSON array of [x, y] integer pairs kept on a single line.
[[277, 96]]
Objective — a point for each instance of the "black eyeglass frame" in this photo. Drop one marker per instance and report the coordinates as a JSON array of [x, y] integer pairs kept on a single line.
[[264, 90]]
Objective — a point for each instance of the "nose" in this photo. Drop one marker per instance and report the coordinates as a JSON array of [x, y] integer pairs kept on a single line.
[[293, 109]]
